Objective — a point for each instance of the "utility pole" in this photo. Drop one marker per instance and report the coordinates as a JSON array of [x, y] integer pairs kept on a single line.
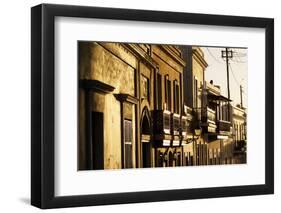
[[241, 96], [227, 54]]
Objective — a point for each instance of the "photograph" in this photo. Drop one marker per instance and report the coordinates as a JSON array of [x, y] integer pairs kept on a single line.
[[144, 105], [141, 105]]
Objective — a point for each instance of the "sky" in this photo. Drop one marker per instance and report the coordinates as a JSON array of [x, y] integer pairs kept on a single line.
[[238, 72]]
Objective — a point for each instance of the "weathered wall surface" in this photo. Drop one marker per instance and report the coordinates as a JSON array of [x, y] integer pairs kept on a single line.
[[104, 62], [98, 63], [198, 72], [167, 66]]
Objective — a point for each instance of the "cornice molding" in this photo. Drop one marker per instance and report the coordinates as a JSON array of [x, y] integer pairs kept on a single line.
[[95, 85]]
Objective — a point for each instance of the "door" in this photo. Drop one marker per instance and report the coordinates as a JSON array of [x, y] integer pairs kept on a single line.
[[97, 140], [146, 155]]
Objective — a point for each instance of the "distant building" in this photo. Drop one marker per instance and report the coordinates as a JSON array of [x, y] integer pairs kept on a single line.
[[194, 77], [211, 140], [239, 134], [217, 127]]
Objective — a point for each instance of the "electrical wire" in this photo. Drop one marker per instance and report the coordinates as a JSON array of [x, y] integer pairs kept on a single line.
[[239, 61], [211, 54], [237, 82]]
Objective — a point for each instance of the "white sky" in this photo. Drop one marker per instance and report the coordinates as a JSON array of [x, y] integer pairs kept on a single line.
[[238, 72]]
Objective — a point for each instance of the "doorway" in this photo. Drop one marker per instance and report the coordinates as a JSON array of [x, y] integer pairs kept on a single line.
[[97, 140], [146, 154], [145, 140]]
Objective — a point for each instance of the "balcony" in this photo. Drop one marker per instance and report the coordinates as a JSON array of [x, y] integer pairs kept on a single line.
[[223, 126], [209, 115], [209, 120], [162, 121], [212, 125], [176, 124], [186, 121]]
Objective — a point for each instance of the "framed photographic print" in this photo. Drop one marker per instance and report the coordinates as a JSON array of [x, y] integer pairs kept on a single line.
[[140, 106]]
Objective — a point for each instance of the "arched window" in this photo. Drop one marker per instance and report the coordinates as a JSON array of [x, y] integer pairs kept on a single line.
[[145, 125]]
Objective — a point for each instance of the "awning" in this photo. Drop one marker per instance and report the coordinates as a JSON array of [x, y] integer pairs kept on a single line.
[[218, 97]]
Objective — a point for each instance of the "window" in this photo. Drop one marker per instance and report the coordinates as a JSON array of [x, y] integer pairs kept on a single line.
[[167, 122], [235, 129], [240, 132], [178, 159], [191, 160], [224, 111], [176, 97], [244, 132], [195, 93], [168, 93], [128, 155], [144, 87], [186, 158], [171, 159], [160, 159], [159, 91]]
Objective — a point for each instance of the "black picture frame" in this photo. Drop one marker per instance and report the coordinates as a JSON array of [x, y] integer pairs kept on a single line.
[[43, 117]]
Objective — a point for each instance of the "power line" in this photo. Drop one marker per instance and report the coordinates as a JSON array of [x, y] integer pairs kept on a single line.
[[237, 57], [234, 75], [237, 82], [239, 54], [239, 61], [211, 54]]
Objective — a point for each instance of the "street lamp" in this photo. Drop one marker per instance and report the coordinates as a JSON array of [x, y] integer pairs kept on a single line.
[[197, 132]]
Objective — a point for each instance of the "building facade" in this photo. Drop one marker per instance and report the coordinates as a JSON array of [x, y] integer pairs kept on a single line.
[[130, 105], [194, 99], [240, 134], [143, 105], [217, 126], [213, 117]]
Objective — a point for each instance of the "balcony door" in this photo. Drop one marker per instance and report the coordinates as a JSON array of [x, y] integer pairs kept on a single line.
[[145, 139]]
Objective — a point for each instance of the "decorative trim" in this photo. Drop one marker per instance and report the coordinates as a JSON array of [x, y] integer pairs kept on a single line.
[[199, 58], [126, 97], [139, 52], [96, 85], [171, 53]]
